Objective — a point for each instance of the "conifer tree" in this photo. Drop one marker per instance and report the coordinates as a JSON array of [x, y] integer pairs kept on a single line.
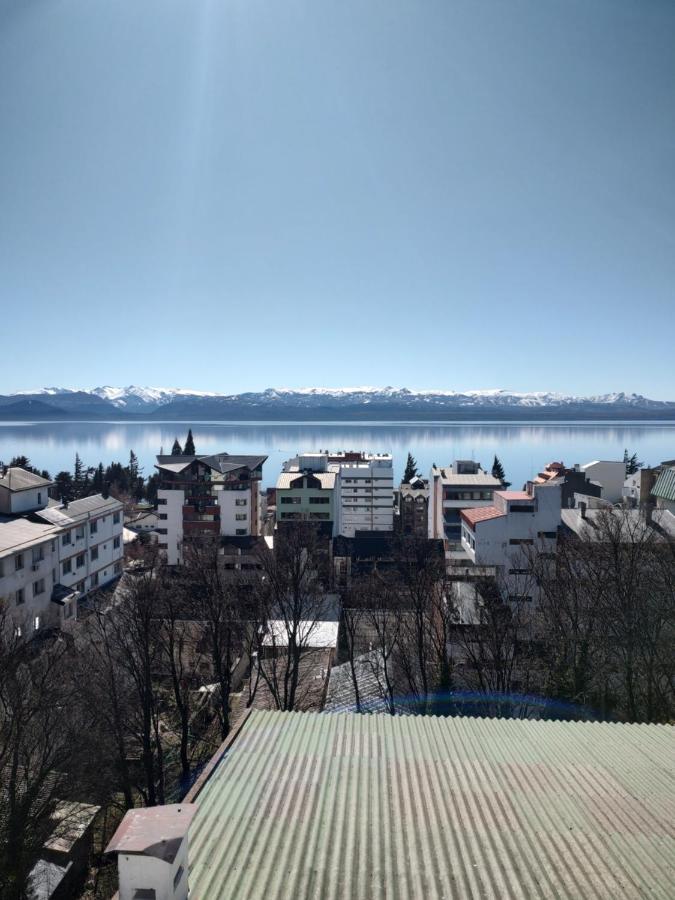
[[189, 449], [176, 450], [410, 469], [79, 477], [632, 463], [498, 470]]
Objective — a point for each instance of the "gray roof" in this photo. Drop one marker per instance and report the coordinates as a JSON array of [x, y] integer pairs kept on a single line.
[[19, 534], [16, 479], [631, 521], [220, 462], [369, 670], [358, 806], [483, 478], [79, 510], [326, 479]]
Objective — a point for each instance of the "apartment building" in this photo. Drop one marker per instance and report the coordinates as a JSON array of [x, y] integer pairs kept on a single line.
[[412, 507], [364, 492], [305, 491], [503, 534], [52, 554], [216, 495], [463, 485]]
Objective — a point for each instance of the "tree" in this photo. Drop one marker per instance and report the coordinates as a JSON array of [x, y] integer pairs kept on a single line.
[[498, 470], [176, 450], [632, 463], [410, 469], [64, 486], [189, 449]]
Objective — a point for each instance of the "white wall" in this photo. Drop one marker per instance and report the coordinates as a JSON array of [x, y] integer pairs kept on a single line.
[[18, 502], [173, 509], [229, 510], [611, 475]]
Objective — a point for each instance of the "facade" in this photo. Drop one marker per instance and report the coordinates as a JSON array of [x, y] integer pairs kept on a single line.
[[501, 535], [663, 491], [610, 474], [572, 481], [362, 806], [217, 495], [413, 508], [305, 491], [463, 485], [52, 555], [364, 492]]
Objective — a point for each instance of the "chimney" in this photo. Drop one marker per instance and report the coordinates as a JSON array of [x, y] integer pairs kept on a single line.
[[105, 493], [152, 852], [64, 502], [582, 509]]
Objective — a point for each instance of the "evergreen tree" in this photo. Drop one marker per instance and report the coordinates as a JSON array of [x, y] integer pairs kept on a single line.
[[98, 480], [79, 477], [189, 449], [176, 450], [498, 470], [410, 469], [20, 462], [632, 463], [64, 486]]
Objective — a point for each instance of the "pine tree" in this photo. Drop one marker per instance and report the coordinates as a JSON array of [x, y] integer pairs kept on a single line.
[[176, 450], [189, 449], [78, 477], [410, 469], [498, 470], [632, 463]]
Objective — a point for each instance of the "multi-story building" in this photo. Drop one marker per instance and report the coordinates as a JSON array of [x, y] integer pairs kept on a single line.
[[572, 481], [412, 507], [364, 492], [610, 474], [52, 554], [504, 534], [305, 491], [217, 495], [463, 485]]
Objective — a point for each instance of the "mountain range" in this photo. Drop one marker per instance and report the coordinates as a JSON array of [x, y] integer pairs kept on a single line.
[[316, 404]]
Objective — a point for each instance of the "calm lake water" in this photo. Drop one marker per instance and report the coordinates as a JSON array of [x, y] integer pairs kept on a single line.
[[522, 448]]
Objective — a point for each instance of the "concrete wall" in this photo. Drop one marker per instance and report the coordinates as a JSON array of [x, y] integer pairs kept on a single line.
[[16, 503], [611, 476]]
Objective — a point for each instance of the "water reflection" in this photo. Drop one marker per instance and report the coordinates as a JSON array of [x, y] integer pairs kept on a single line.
[[523, 448]]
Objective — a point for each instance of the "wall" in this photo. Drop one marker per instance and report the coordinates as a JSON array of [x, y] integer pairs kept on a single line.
[[611, 476]]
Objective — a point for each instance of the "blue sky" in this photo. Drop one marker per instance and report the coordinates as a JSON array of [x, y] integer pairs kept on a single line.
[[231, 194]]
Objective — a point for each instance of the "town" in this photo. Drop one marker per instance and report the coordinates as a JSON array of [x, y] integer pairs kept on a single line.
[[150, 627]]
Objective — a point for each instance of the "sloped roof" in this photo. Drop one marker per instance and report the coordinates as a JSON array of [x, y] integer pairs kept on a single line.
[[79, 510], [360, 806], [286, 479], [665, 485], [481, 514], [19, 534], [220, 462], [17, 479]]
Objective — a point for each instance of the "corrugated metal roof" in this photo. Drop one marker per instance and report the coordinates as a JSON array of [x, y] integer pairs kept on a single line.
[[79, 510], [357, 806], [665, 485], [16, 479]]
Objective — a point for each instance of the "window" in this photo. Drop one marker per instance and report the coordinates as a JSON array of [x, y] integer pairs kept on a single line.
[[79, 533], [39, 496], [117, 568], [94, 580], [67, 610], [524, 509], [19, 597], [79, 561], [517, 541], [18, 561], [38, 555], [116, 518], [94, 553], [66, 539], [319, 515], [240, 531], [116, 543], [241, 502], [36, 623], [519, 571], [163, 516], [294, 500], [319, 499], [80, 587], [38, 587], [67, 567], [241, 517], [93, 527]]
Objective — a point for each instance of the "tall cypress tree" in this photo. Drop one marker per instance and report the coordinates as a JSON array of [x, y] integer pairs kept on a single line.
[[410, 469], [176, 450], [498, 470], [189, 449]]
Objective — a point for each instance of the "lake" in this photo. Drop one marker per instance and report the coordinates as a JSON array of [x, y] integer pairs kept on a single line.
[[523, 448]]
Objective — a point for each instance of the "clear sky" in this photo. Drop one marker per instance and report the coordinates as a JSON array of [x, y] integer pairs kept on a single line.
[[234, 194]]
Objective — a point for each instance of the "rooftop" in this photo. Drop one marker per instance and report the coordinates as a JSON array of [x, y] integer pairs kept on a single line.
[[347, 805], [153, 831], [17, 534], [286, 479], [78, 510], [481, 514], [664, 488], [219, 462], [482, 478], [514, 495], [17, 479]]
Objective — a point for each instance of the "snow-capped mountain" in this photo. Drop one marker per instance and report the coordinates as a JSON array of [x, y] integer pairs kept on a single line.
[[322, 403]]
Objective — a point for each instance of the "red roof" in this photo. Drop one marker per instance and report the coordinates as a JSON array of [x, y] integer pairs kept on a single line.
[[481, 513], [515, 495]]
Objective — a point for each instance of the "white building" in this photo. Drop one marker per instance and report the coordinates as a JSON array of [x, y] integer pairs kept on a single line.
[[364, 492], [463, 485], [610, 474], [502, 535], [217, 495], [52, 554]]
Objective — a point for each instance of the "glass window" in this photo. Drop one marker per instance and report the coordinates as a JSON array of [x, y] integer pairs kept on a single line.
[[19, 597], [93, 527], [94, 553]]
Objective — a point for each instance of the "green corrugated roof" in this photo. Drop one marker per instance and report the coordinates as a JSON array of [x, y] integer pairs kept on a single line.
[[665, 485], [311, 805]]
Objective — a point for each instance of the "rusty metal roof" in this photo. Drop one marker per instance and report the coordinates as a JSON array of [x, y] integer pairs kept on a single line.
[[357, 806], [153, 831], [476, 514]]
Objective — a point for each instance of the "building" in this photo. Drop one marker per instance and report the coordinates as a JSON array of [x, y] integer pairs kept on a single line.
[[305, 491], [217, 495], [610, 474], [64, 858], [573, 481], [362, 806], [663, 491], [364, 492], [412, 508], [502, 535], [52, 554], [629, 525], [463, 485]]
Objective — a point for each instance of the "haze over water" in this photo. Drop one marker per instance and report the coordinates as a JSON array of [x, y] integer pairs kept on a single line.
[[523, 449]]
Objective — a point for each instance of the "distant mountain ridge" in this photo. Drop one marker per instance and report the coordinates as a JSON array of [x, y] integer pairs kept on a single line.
[[387, 403]]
